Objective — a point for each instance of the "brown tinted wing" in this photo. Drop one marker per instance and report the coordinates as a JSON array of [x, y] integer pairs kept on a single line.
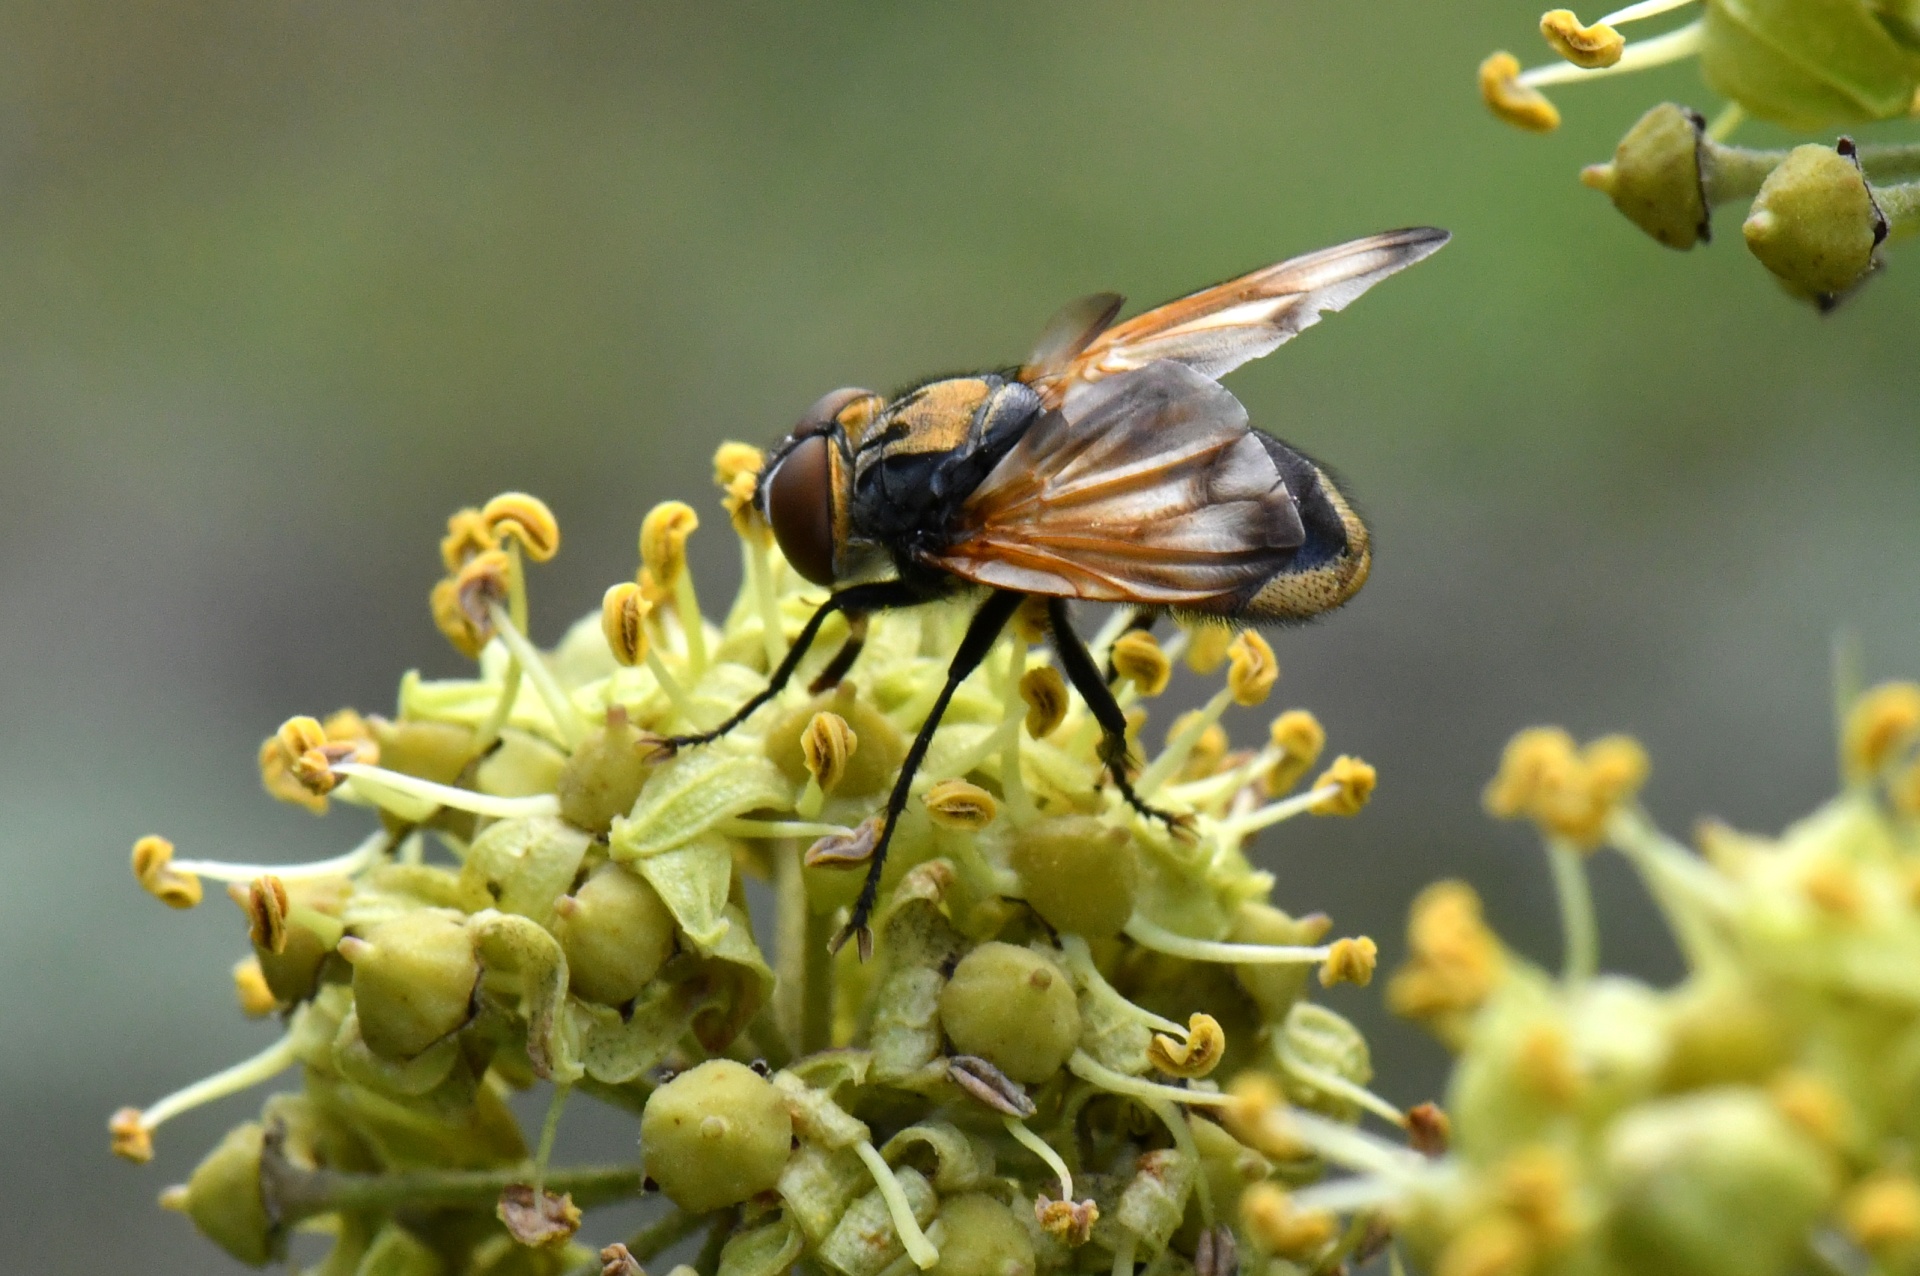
[[1070, 331], [1148, 488], [1217, 329]]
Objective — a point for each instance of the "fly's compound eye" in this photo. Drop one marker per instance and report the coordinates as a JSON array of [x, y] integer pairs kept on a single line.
[[800, 507], [851, 407]]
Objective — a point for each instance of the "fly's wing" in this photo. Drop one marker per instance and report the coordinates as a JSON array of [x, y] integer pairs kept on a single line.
[[1147, 488], [1217, 329], [1068, 334]]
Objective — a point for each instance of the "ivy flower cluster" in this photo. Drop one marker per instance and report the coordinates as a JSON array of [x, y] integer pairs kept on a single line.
[[1082, 1040], [1820, 213], [1756, 1118]]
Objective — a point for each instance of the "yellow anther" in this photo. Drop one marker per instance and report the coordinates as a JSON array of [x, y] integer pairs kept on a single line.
[[1585, 46], [462, 603], [1545, 1064], [1882, 1212], [153, 867], [623, 619], [1198, 1055], [1258, 1118], [1537, 1184], [314, 770], [1208, 750], [265, 902], [1069, 1222], [1045, 692], [827, 745], [1834, 888], [132, 1140], [1355, 781], [1535, 760], [277, 777], [1251, 668], [663, 540], [250, 989], [1300, 738], [1137, 657], [956, 804], [1493, 1245], [1207, 647], [1030, 623], [1518, 104], [467, 534], [732, 461], [1455, 961], [1566, 791], [1351, 961], [1617, 767], [297, 735], [1268, 1214], [527, 520], [1810, 1103], [742, 512], [1880, 725]]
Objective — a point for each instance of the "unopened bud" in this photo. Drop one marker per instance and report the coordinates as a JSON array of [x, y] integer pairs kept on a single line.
[[1251, 669], [1814, 223], [827, 745], [1657, 178], [715, 1135], [413, 981], [623, 619], [1137, 657], [1045, 693], [525, 519], [663, 540], [1079, 873]]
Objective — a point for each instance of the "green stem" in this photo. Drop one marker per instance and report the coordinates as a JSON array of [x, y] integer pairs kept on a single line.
[[1578, 931], [723, 1226], [790, 943], [294, 1194], [1736, 172], [1900, 205], [663, 1233], [816, 1011]]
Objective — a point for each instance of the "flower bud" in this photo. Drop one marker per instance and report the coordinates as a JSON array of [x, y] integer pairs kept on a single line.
[[616, 933], [1354, 781], [983, 1239], [663, 540], [152, 867], [1137, 657], [623, 619], [1688, 1175], [526, 519], [827, 745], [1251, 669], [956, 804], [1590, 47], [602, 777], [467, 534], [1078, 873], [1014, 1008], [715, 1135], [413, 981], [1045, 692], [437, 751], [1656, 178], [1815, 224], [224, 1201], [1517, 104]]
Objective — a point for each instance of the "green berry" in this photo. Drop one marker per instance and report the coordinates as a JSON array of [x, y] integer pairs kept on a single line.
[[224, 1200], [603, 776], [715, 1135], [983, 1238], [1814, 222], [1013, 1008], [413, 980], [616, 933], [1077, 873], [1655, 178], [870, 769]]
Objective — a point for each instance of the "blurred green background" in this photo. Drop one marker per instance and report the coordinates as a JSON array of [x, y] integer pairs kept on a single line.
[[281, 285]]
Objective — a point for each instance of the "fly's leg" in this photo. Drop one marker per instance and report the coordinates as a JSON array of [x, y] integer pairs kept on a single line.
[[1085, 677], [857, 601], [843, 659], [981, 634]]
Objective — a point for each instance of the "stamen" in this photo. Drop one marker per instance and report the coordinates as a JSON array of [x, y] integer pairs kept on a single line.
[[1015, 709], [1087, 1068], [676, 694], [1234, 828], [1174, 756], [133, 1128], [1335, 1084], [354, 861], [1585, 46], [1645, 9], [1123, 1252], [919, 1248], [405, 795], [735, 826], [566, 718], [1578, 930], [1039, 1147], [1638, 56], [1149, 935], [1348, 1195]]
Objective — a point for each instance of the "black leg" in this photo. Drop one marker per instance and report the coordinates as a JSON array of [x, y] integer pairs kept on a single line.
[[859, 600], [1081, 672], [981, 633], [842, 659], [1143, 621]]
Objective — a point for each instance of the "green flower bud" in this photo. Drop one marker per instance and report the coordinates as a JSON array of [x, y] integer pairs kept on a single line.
[[1656, 178], [715, 1135], [1013, 1008], [983, 1238], [223, 1198], [603, 776], [293, 973], [1078, 873], [1717, 1183], [869, 769], [1274, 988], [413, 980], [1815, 224], [616, 933]]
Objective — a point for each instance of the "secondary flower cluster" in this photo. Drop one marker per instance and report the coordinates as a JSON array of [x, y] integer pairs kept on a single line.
[[1819, 213], [1024, 1077], [1756, 1118]]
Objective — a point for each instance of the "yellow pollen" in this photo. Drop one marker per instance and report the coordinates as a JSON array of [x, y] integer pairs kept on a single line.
[[623, 620], [827, 745], [731, 461], [1138, 658], [1207, 648], [1585, 46], [1496, 1245], [1045, 693], [132, 1140], [152, 866], [265, 903], [525, 519], [1882, 723], [1269, 1215], [1883, 1211], [1811, 1104], [1516, 103], [1198, 1055], [663, 540], [1350, 961], [467, 535], [1354, 781], [956, 804], [1251, 669], [250, 989]]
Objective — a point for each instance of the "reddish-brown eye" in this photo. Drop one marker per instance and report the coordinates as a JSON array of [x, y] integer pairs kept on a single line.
[[826, 410], [800, 507]]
